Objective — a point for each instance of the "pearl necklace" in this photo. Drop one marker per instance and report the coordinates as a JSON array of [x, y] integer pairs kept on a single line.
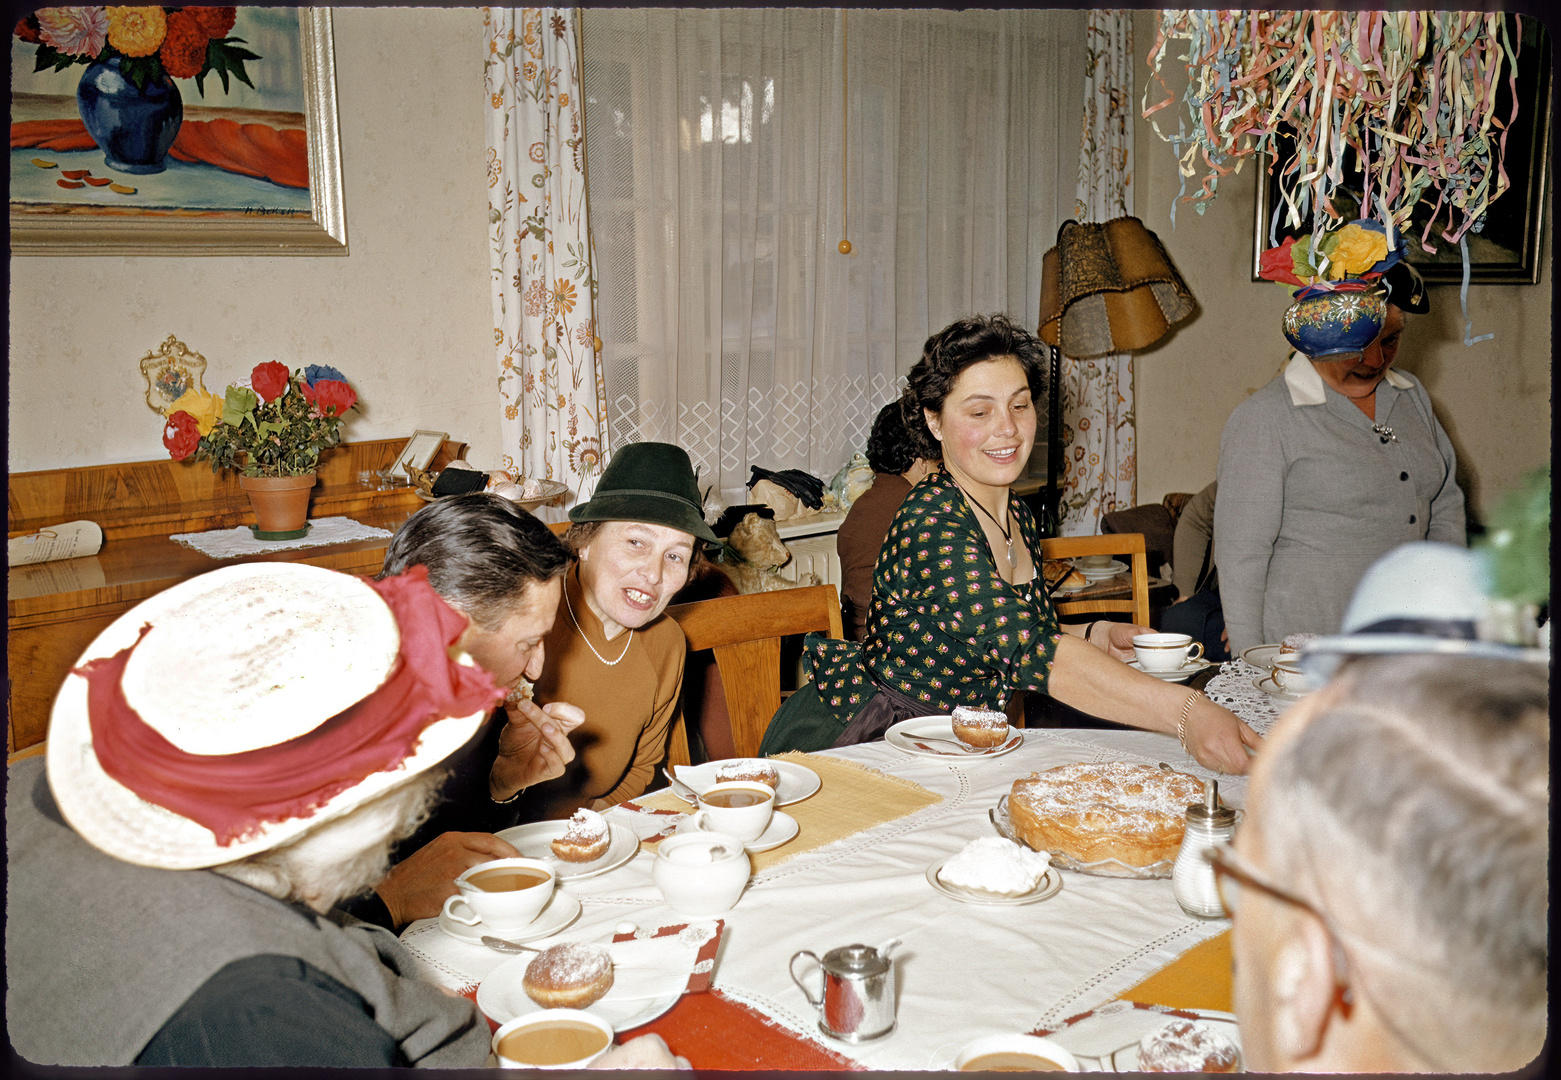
[[610, 663]]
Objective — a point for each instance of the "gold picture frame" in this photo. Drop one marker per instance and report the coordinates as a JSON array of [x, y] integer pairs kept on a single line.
[[170, 370], [73, 229], [417, 454]]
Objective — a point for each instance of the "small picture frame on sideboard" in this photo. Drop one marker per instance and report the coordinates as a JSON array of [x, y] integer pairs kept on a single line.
[[415, 456]]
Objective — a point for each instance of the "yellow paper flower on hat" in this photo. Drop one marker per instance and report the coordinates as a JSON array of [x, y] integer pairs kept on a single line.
[[205, 408], [1354, 251]]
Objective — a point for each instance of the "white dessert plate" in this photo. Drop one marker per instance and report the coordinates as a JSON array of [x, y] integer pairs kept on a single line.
[[912, 735], [797, 782], [1049, 885], [1261, 656], [534, 841], [1069, 590], [561, 910], [1101, 573], [1110, 1033], [1267, 684], [502, 997], [783, 829], [1181, 674]]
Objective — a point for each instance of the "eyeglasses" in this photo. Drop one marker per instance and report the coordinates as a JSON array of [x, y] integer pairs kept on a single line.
[[1232, 874]]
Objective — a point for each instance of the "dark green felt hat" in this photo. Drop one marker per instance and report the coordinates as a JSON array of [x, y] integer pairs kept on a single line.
[[651, 482]]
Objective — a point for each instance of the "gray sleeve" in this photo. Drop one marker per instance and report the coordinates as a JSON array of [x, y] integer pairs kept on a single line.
[[1194, 537], [1448, 522], [1249, 508]]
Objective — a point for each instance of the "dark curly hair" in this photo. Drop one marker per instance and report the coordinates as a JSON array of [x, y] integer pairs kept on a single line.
[[891, 447], [956, 347]]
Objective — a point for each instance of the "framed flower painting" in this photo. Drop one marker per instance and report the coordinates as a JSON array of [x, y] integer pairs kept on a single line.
[[175, 131]]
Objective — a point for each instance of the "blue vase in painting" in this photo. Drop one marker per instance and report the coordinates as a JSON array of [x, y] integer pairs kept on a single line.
[[133, 126]]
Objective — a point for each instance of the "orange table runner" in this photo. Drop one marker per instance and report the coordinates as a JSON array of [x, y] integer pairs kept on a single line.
[[1200, 978]]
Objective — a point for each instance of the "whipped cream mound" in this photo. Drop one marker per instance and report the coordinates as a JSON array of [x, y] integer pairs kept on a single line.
[[994, 865]]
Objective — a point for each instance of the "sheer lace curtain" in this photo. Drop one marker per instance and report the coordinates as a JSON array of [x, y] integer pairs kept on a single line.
[[731, 324]]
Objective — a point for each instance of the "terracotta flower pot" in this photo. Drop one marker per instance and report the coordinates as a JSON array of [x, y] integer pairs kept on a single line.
[[281, 505]]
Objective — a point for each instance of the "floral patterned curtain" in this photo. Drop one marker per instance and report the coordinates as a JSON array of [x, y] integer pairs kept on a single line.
[[544, 287], [1100, 465]]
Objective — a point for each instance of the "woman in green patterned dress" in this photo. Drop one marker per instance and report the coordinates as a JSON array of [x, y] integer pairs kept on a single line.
[[959, 613]]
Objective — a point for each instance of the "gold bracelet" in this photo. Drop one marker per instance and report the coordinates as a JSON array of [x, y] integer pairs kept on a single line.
[[1181, 725]]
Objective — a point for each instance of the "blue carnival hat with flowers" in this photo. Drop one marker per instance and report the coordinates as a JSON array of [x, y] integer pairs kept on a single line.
[[1341, 287]]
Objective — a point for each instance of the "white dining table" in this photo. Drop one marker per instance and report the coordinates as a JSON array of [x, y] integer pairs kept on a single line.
[[963, 970]]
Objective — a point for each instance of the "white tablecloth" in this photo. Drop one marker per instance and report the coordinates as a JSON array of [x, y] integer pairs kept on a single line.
[[963, 970]]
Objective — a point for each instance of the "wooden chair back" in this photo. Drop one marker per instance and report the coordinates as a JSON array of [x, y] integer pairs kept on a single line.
[[745, 633], [1118, 545]]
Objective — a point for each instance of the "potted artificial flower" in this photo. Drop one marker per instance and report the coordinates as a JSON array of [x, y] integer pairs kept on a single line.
[[272, 430], [127, 97]]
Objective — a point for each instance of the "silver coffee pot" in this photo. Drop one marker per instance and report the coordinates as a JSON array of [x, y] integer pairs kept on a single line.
[[857, 1002]]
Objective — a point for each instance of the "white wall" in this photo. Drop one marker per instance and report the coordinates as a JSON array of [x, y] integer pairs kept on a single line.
[[1493, 398], [406, 316]]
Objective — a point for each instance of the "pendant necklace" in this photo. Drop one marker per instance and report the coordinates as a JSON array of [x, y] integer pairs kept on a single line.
[[1008, 533], [1383, 432], [610, 663]]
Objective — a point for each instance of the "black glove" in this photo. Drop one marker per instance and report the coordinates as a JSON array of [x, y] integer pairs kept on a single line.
[[809, 489]]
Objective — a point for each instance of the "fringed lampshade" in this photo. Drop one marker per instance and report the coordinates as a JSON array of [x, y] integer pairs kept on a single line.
[[1108, 288], [1105, 288]]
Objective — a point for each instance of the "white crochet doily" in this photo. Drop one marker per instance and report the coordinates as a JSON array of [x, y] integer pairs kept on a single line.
[[1235, 688], [236, 542]]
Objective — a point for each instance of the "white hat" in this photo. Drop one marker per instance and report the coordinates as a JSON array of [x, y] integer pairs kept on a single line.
[[236, 711], [1421, 597]]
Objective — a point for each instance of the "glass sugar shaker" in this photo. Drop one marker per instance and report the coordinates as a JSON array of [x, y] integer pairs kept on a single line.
[[1192, 878]]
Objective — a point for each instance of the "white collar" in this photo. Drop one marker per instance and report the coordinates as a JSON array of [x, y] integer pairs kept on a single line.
[[1306, 386]]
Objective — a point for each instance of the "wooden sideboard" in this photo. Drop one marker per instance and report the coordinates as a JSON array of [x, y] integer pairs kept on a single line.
[[55, 609]]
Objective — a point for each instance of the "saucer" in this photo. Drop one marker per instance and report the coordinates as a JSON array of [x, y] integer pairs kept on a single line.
[[1101, 573], [561, 910], [1273, 689], [783, 829], [1049, 885], [1181, 674], [1261, 657]]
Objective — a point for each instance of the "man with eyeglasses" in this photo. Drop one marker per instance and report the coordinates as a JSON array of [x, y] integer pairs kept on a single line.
[[1389, 886]]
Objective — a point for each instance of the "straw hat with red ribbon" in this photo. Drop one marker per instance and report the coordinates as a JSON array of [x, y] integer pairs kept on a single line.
[[238, 710]]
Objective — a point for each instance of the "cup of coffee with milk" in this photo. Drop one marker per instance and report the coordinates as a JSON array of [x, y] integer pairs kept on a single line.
[[552, 1039], [504, 895], [740, 808]]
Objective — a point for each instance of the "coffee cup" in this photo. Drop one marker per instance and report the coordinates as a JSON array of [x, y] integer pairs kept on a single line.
[[1290, 677], [501, 894], [1014, 1053], [552, 1039], [701, 873], [1165, 652], [742, 808]]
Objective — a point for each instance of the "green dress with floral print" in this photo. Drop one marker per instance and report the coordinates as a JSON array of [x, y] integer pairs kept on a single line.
[[943, 626]]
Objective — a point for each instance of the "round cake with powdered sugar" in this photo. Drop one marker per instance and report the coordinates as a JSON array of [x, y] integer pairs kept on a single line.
[[1183, 1046], [1098, 811], [980, 727], [568, 976], [585, 837], [1292, 645]]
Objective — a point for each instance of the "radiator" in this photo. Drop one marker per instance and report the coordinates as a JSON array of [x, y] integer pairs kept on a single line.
[[813, 555]]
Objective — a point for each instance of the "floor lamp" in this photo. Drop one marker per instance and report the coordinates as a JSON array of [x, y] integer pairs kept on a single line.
[[1105, 288]]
